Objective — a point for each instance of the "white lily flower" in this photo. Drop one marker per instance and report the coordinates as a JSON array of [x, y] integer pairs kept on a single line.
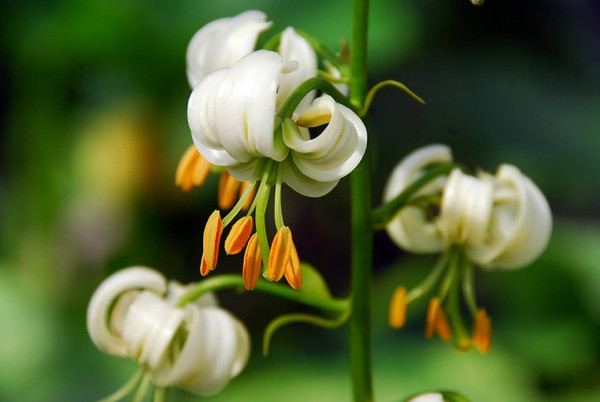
[[221, 43], [430, 397], [199, 347], [502, 221], [232, 119]]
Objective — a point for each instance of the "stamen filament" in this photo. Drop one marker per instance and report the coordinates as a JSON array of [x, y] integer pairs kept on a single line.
[[262, 198], [127, 388], [431, 279], [463, 341], [240, 204], [468, 286], [278, 213]]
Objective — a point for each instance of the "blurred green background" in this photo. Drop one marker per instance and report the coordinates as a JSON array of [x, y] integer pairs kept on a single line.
[[93, 120]]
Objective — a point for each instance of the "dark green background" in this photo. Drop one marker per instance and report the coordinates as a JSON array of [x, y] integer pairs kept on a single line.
[[93, 120]]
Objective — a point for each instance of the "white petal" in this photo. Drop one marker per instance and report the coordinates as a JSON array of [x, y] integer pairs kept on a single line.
[[223, 42], [294, 47], [520, 227], [149, 327], [337, 150], [201, 119], [303, 184], [245, 107], [98, 323], [410, 229], [430, 397], [466, 209]]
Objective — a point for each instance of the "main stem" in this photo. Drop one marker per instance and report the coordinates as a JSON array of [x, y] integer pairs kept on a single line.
[[362, 226]]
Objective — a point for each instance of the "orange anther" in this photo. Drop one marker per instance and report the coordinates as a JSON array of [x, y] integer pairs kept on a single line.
[[212, 238], [252, 263], [248, 202], [192, 169], [482, 334], [228, 190], [442, 327], [432, 312], [280, 253], [398, 304], [238, 235], [437, 321], [293, 271]]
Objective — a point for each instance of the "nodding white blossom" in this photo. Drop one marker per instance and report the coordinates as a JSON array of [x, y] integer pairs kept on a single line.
[[199, 347], [501, 221], [232, 117], [430, 397], [220, 43]]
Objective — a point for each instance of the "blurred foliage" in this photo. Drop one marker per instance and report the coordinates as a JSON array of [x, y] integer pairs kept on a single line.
[[92, 113]]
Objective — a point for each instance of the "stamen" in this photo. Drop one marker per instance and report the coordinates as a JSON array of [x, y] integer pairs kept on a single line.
[[293, 271], [243, 188], [442, 326], [192, 169], [238, 235], [432, 310], [212, 238], [280, 253], [482, 334], [252, 262], [228, 190], [398, 304]]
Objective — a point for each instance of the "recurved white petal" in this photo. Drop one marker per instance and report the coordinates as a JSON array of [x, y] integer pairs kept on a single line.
[[337, 150], [101, 320], [520, 226], [221, 43], [303, 184], [294, 47], [466, 209], [245, 107], [411, 229]]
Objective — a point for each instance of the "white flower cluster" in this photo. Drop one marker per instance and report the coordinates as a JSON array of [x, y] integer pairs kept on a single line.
[[199, 347], [232, 111], [502, 221]]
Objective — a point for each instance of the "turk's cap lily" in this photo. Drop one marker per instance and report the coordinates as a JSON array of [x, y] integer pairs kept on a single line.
[[199, 347], [232, 117], [220, 43], [501, 221]]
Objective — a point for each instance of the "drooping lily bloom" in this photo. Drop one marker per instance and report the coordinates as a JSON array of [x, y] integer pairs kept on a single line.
[[220, 44], [499, 221], [233, 118], [199, 347]]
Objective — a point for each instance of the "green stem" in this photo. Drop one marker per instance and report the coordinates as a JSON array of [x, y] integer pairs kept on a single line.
[[334, 306], [386, 212], [359, 324]]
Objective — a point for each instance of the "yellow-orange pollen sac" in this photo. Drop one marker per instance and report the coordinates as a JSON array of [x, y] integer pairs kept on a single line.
[[398, 305], [482, 333], [229, 190], [211, 241], [192, 169], [238, 235], [437, 321], [279, 255], [252, 263], [293, 271]]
